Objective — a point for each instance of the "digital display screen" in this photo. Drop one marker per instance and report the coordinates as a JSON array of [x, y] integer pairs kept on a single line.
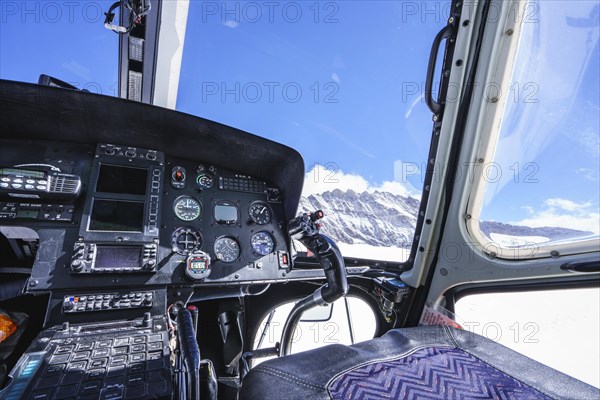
[[26, 173], [30, 214], [226, 213], [117, 216], [118, 257], [123, 180]]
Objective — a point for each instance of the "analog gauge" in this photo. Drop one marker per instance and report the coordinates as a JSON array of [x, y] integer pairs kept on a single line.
[[227, 249], [260, 213], [204, 180], [262, 243], [186, 240], [187, 208]]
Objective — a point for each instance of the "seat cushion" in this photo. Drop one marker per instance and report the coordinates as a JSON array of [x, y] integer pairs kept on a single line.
[[430, 362], [430, 373]]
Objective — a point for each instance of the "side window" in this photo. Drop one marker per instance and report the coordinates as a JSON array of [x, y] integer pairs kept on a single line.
[[347, 321], [559, 328]]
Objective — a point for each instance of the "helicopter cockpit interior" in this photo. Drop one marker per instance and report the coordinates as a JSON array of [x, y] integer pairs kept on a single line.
[[145, 251]]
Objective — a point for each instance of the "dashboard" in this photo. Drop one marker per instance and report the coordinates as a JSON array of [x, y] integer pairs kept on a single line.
[[126, 195], [131, 216]]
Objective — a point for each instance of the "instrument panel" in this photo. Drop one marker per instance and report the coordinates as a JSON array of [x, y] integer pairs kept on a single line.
[[232, 221], [144, 217]]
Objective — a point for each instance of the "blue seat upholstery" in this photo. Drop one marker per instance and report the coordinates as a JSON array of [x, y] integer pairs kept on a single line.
[[432, 362]]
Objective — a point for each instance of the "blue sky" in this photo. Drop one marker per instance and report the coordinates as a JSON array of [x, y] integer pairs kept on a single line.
[[342, 83], [357, 65]]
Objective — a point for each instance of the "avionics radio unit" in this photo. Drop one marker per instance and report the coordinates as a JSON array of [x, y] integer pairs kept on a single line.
[[30, 183], [120, 225]]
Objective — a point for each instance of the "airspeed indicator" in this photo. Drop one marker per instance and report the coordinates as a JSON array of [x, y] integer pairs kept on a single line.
[[187, 208]]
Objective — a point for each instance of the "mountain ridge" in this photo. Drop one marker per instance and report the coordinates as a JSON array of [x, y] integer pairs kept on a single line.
[[384, 219]]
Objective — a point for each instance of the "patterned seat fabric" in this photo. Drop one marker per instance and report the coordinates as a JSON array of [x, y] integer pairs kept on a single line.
[[430, 373], [428, 362]]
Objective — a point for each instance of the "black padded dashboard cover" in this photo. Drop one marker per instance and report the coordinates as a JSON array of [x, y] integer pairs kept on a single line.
[[30, 111]]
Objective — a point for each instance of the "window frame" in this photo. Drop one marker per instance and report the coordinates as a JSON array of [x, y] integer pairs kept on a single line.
[[491, 115]]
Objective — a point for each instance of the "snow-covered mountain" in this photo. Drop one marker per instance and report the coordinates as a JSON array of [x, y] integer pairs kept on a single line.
[[382, 219], [378, 219]]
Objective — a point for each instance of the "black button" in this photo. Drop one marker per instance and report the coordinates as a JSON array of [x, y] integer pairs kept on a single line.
[[90, 387], [135, 379], [112, 393], [54, 369], [42, 394], [135, 392], [116, 371], [83, 355], [154, 346], [156, 375], [104, 352], [59, 359], [47, 382], [156, 355], [136, 368], [99, 363], [118, 360], [74, 377], [137, 357], [76, 366], [155, 364], [120, 350], [103, 344], [155, 338], [139, 339], [115, 380], [136, 348], [63, 349], [96, 373], [88, 397], [66, 391]]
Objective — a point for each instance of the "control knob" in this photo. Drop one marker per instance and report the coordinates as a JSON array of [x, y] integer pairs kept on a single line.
[[76, 265], [147, 299]]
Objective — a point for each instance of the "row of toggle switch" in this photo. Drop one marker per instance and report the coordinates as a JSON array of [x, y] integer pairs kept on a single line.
[[107, 301]]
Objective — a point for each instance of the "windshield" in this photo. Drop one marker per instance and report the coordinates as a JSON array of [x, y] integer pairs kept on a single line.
[[341, 82]]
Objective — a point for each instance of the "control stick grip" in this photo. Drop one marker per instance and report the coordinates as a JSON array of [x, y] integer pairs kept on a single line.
[[305, 229]]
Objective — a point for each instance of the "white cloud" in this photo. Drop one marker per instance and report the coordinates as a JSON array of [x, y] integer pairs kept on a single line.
[[320, 179], [336, 78], [564, 213], [231, 24], [567, 205], [587, 173], [590, 140]]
